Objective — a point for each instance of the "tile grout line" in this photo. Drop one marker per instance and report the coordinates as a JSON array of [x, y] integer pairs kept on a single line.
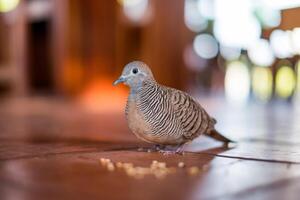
[[254, 159], [118, 149]]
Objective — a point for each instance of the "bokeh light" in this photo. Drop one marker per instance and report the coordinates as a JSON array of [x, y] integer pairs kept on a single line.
[[281, 43], [237, 83], [205, 46], [285, 82], [298, 76], [260, 53], [235, 24], [192, 60], [192, 17], [230, 53], [39, 9], [269, 17], [280, 4], [8, 5], [295, 37], [262, 83], [206, 8], [135, 10]]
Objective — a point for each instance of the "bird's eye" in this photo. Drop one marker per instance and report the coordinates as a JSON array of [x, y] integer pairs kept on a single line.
[[135, 70]]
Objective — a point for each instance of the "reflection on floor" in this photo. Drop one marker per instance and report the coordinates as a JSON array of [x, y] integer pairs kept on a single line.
[[50, 149]]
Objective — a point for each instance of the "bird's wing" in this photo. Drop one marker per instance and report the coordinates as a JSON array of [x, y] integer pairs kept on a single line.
[[192, 117]]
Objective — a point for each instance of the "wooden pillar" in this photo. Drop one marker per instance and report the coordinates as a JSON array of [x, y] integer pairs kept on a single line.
[[14, 69], [84, 42]]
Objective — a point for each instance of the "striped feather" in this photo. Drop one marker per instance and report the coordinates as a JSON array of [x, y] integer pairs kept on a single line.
[[172, 115]]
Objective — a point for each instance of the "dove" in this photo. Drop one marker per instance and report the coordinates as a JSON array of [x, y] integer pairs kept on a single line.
[[161, 115]]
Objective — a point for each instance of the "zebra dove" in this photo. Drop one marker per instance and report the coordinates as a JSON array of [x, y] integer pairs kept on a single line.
[[162, 115]]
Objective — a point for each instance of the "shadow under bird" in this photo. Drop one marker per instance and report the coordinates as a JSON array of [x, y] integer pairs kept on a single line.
[[164, 116]]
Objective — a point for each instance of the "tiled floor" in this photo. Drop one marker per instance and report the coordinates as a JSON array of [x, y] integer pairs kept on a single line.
[[51, 150]]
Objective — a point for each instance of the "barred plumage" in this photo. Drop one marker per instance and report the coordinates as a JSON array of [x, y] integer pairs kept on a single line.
[[160, 114]]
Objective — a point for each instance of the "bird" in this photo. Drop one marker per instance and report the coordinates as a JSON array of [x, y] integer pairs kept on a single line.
[[166, 117]]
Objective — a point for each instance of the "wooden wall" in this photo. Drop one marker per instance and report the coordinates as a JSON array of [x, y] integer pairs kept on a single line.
[[85, 39], [98, 42], [13, 56], [94, 40]]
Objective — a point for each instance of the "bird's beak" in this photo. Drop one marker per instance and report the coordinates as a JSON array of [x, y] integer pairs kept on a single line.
[[120, 80]]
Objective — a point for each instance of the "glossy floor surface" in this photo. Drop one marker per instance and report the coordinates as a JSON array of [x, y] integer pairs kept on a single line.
[[51, 149]]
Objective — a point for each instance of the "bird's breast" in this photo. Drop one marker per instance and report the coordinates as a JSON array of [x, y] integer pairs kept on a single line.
[[144, 130], [136, 122]]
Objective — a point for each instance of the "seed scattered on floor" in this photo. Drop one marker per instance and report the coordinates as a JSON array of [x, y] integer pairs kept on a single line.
[[104, 161], [108, 164], [127, 165], [110, 167], [158, 169], [119, 165], [154, 162], [181, 164], [140, 149], [193, 171], [161, 165]]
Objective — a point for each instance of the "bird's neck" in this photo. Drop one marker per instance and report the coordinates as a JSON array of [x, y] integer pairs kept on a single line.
[[136, 88]]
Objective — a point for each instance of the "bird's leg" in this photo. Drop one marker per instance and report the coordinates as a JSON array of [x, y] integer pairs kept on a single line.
[[180, 148], [158, 147], [170, 150], [154, 148], [167, 152]]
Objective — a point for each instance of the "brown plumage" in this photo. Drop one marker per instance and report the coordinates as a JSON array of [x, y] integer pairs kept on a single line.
[[163, 115]]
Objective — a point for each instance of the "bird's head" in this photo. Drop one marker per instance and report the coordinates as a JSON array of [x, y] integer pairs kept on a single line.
[[134, 74]]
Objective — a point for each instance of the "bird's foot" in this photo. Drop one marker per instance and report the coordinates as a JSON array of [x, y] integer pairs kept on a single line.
[[171, 150], [164, 149], [144, 149], [154, 148], [167, 152], [180, 150]]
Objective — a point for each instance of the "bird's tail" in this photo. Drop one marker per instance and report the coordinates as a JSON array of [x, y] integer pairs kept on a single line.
[[218, 136]]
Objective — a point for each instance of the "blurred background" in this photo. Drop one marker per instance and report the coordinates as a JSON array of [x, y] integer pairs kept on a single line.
[[59, 58], [240, 50]]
